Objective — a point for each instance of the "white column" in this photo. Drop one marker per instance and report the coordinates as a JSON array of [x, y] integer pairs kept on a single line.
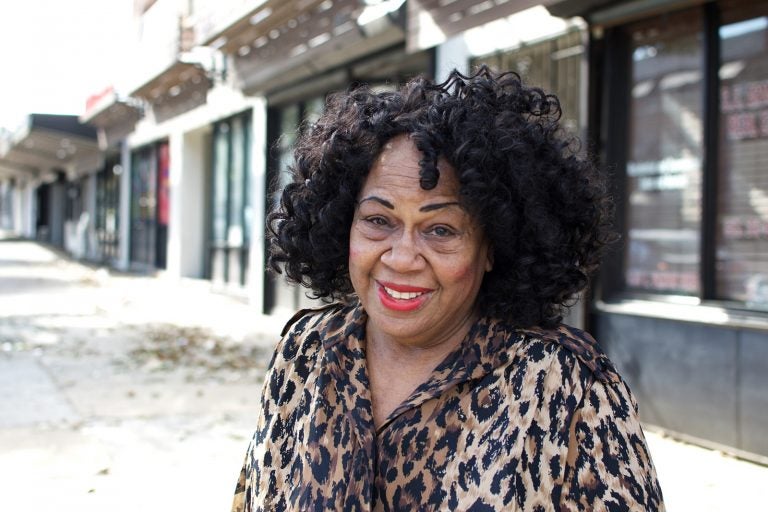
[[29, 209], [192, 202], [449, 55], [176, 200], [258, 181], [186, 226]]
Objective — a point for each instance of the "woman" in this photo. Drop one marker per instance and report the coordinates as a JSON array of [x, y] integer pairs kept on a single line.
[[452, 224]]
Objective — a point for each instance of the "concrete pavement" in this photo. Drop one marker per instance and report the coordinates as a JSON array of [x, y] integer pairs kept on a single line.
[[120, 392], [130, 393]]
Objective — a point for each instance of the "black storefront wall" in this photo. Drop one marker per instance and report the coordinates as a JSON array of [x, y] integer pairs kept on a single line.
[[706, 383], [686, 325]]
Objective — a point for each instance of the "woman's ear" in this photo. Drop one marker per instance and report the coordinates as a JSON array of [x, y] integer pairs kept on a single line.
[[489, 258]]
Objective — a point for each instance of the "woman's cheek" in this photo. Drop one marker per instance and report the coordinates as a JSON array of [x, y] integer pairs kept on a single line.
[[460, 271], [354, 253]]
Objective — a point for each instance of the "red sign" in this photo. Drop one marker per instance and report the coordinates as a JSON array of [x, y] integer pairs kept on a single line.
[[163, 184]]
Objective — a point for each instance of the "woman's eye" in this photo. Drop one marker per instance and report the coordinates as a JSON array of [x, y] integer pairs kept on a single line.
[[441, 231], [376, 221]]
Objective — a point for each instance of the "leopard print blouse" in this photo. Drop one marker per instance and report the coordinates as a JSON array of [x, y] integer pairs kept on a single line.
[[514, 419]]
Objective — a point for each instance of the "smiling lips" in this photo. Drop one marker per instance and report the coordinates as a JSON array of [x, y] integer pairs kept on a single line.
[[401, 297]]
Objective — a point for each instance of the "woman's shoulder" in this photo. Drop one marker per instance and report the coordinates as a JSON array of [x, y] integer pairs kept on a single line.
[[310, 317], [579, 345], [310, 329]]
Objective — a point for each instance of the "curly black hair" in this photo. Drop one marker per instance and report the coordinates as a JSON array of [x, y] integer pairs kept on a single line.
[[545, 210]]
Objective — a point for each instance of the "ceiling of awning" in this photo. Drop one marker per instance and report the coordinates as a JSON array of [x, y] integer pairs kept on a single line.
[[257, 18], [170, 80], [109, 109], [47, 142]]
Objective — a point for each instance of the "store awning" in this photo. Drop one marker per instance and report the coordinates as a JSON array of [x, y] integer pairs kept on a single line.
[[431, 22], [571, 8], [230, 31], [613, 12], [280, 43], [106, 109], [114, 117], [47, 142]]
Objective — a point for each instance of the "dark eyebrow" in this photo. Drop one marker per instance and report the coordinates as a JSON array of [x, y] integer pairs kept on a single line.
[[437, 206], [379, 200], [427, 208]]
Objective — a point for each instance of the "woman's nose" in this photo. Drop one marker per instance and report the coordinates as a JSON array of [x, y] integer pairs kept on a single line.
[[404, 254]]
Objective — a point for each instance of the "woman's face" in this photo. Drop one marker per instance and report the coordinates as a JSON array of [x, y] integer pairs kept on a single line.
[[416, 258]]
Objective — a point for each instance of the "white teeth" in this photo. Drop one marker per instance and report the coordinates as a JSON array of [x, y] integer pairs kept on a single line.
[[401, 295]]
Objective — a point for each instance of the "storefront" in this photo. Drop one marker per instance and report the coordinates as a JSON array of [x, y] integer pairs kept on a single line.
[[150, 204], [45, 155], [114, 118], [679, 110]]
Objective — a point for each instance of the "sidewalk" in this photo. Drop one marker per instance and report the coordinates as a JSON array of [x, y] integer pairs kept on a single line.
[[121, 393], [128, 393]]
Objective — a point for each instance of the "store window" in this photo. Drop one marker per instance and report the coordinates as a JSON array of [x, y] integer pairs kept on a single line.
[[232, 215], [664, 167], [286, 122], [742, 227], [696, 213]]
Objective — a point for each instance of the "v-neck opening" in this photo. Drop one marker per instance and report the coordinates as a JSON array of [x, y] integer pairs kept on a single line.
[[347, 349], [457, 367]]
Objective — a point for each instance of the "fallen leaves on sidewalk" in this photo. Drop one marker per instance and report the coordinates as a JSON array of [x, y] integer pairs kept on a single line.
[[168, 347]]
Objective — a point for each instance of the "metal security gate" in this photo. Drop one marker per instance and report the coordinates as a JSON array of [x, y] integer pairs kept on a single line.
[[555, 65]]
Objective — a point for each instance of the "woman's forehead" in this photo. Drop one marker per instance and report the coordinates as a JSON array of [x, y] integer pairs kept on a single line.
[[397, 166]]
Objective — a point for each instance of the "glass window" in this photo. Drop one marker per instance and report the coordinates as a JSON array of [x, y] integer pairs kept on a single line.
[[289, 128], [220, 180], [245, 149], [742, 225], [235, 235], [290, 121], [665, 155], [231, 201]]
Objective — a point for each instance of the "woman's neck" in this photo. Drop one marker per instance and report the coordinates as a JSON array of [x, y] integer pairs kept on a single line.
[[396, 369]]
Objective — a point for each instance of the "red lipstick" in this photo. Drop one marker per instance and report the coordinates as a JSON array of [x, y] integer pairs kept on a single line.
[[404, 288], [402, 304]]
